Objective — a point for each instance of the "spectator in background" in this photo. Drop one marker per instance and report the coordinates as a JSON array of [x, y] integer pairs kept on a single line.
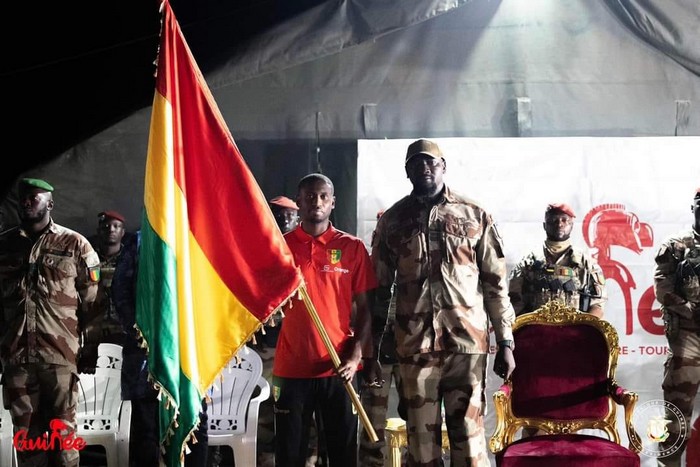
[[286, 214], [677, 288], [108, 243], [49, 278], [144, 439], [559, 270]]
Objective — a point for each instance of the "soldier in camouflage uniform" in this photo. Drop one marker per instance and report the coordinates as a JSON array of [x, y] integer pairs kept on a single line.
[[109, 246], [558, 271], [48, 278], [446, 257], [677, 289]]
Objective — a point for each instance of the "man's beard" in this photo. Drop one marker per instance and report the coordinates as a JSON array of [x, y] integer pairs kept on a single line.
[[29, 217]]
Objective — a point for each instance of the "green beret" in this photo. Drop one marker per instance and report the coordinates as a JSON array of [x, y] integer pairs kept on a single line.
[[36, 183]]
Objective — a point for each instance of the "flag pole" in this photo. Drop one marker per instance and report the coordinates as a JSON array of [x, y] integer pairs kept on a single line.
[[336, 363]]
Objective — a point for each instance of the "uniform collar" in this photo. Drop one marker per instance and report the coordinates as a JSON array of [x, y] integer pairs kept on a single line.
[[448, 195], [324, 238], [50, 227], [445, 196]]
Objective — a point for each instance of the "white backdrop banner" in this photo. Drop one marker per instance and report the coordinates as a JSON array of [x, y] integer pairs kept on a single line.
[[628, 195]]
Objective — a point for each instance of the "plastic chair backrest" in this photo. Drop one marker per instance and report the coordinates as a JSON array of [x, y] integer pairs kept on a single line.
[[103, 418], [229, 401], [6, 434]]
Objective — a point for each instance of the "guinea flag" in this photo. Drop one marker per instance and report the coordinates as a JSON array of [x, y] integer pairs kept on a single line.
[[213, 265]]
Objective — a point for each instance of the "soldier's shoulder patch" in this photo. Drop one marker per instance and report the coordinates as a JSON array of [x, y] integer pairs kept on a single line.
[[91, 259], [94, 274]]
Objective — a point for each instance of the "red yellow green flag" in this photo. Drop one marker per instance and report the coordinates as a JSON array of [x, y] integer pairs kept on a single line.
[[213, 264]]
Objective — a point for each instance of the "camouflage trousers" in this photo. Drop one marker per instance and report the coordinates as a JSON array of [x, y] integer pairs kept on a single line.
[[42, 400], [680, 387], [456, 381], [375, 401]]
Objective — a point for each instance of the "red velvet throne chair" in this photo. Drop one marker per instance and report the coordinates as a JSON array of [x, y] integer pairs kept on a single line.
[[564, 382]]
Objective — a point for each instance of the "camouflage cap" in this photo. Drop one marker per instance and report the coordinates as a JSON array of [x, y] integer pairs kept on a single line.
[[35, 183], [284, 202], [560, 207], [111, 214], [424, 146]]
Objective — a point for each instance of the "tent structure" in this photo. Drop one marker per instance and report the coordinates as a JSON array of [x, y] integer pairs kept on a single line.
[[299, 85]]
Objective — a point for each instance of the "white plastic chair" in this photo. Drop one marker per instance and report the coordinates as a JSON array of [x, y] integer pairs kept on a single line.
[[232, 411], [102, 417], [7, 451]]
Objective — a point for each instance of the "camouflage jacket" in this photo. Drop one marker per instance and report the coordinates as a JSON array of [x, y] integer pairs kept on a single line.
[[48, 290], [676, 274], [450, 273], [106, 326], [536, 279]]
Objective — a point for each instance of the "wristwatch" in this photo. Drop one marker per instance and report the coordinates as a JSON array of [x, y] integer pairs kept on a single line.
[[506, 343]]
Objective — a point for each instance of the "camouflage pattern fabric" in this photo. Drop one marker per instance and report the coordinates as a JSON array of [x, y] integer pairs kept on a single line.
[[106, 327], [375, 401], [680, 387], [676, 277], [676, 288], [48, 290], [538, 278], [449, 270], [42, 397], [458, 380]]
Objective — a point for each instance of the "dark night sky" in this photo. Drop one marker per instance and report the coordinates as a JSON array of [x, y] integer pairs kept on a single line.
[[72, 69]]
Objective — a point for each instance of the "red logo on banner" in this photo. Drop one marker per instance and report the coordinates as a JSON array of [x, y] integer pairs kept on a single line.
[[609, 225]]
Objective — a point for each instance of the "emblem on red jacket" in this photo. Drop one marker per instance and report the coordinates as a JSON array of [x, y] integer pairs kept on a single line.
[[334, 256]]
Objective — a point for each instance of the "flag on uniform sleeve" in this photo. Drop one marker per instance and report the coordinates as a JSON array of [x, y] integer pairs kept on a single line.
[[213, 264]]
